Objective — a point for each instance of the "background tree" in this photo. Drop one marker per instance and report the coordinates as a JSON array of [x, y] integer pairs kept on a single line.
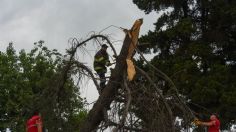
[[27, 81], [195, 45]]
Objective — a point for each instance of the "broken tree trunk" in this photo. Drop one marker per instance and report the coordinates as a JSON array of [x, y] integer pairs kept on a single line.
[[95, 115]]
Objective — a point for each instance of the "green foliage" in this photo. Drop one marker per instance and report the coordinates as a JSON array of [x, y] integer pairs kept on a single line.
[[26, 80], [196, 46]]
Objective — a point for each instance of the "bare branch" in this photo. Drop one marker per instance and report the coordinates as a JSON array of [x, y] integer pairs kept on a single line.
[[128, 96], [161, 96]]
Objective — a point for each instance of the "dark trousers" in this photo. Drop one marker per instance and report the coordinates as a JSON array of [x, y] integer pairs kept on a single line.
[[102, 80]]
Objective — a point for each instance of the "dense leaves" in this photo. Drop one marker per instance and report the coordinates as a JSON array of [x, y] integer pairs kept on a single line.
[[196, 47], [28, 83]]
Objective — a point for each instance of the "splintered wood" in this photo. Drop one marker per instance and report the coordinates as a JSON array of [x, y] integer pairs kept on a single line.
[[133, 34]]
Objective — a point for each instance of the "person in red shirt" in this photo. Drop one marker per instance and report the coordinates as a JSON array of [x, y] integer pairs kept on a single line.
[[34, 124], [213, 125]]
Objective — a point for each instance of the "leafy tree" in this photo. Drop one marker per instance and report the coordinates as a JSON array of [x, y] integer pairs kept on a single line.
[[28, 81], [195, 42]]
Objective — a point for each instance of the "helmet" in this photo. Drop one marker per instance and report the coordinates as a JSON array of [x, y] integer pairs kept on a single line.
[[104, 46]]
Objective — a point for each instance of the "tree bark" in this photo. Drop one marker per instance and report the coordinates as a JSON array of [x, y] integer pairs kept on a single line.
[[95, 115]]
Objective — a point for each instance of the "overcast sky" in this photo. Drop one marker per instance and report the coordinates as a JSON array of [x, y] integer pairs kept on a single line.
[[24, 22]]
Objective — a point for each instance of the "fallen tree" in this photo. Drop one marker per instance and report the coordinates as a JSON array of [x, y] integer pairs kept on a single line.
[[148, 102]]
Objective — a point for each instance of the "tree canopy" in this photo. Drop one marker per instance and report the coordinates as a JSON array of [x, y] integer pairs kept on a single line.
[[28, 83], [195, 45]]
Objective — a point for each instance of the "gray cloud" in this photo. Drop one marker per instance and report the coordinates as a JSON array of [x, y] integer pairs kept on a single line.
[[55, 21]]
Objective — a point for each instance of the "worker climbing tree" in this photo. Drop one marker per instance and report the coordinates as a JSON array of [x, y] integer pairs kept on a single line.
[[101, 61]]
